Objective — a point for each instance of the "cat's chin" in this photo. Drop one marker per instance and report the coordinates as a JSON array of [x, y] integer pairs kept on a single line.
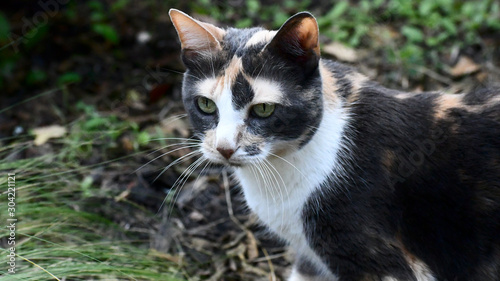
[[225, 162], [232, 163]]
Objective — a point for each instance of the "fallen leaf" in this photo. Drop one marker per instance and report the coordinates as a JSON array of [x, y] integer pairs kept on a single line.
[[465, 65], [341, 52], [43, 134], [175, 259], [196, 216], [199, 244]]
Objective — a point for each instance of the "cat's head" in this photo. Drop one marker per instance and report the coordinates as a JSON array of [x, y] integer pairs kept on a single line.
[[251, 93]]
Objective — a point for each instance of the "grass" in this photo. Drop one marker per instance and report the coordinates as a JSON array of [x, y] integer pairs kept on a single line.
[[59, 233]]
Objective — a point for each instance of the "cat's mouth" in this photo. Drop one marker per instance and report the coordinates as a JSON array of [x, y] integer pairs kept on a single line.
[[238, 158], [230, 162], [236, 162]]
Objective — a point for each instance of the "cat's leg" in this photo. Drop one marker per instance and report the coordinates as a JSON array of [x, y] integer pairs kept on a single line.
[[305, 270]]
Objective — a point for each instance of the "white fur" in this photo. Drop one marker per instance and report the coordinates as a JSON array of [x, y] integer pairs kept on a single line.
[[266, 91], [296, 276], [229, 120], [206, 86], [421, 271], [279, 196], [260, 37]]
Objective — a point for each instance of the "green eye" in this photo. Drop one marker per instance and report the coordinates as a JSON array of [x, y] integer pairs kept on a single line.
[[207, 105], [263, 109]]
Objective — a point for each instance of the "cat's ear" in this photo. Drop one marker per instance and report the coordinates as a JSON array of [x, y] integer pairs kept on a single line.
[[297, 39], [196, 37]]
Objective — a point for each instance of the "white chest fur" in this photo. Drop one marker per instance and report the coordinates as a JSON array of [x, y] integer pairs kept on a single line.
[[278, 190]]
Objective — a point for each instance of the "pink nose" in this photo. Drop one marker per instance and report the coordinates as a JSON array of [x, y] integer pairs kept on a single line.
[[226, 152]]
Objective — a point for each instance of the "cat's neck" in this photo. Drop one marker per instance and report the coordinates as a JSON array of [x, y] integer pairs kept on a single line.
[[275, 189], [340, 83]]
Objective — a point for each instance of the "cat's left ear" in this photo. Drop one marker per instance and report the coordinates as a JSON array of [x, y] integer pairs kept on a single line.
[[196, 37], [297, 39]]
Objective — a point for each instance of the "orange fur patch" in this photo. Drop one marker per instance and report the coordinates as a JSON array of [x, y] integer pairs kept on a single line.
[[329, 86], [357, 80], [227, 79], [446, 102], [388, 158], [308, 34]]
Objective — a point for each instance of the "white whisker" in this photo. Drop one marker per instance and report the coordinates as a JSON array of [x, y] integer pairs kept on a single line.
[[164, 154], [170, 145], [288, 162], [181, 159], [279, 189], [181, 181]]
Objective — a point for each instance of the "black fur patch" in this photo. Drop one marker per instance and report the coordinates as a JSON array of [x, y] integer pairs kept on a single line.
[[440, 195], [252, 150], [242, 92]]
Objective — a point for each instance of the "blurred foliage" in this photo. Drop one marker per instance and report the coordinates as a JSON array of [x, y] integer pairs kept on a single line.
[[419, 32], [60, 238], [100, 18], [410, 34], [94, 130]]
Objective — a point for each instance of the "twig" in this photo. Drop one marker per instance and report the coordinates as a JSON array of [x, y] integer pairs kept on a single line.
[[434, 75], [270, 263], [225, 182]]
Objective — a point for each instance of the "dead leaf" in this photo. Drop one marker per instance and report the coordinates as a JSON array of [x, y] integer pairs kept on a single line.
[[122, 195], [175, 259], [43, 134], [199, 244], [464, 66], [196, 216], [341, 52]]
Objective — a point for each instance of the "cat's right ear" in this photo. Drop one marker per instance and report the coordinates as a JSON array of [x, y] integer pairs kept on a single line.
[[197, 38], [298, 40]]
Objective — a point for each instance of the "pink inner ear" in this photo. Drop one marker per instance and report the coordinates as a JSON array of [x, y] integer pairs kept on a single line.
[[308, 35], [195, 35], [298, 38]]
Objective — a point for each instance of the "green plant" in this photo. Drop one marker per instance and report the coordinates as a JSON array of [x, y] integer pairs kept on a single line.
[[56, 241], [61, 232], [100, 19]]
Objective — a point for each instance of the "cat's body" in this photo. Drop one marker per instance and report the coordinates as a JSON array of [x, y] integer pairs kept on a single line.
[[365, 183]]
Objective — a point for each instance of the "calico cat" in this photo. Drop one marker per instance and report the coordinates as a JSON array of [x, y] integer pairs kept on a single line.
[[364, 182]]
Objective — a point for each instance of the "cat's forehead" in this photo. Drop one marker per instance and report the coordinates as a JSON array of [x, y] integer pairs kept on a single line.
[[243, 89], [260, 37], [242, 83], [243, 41]]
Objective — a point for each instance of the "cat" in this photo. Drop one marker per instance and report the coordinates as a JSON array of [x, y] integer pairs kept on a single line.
[[363, 182]]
